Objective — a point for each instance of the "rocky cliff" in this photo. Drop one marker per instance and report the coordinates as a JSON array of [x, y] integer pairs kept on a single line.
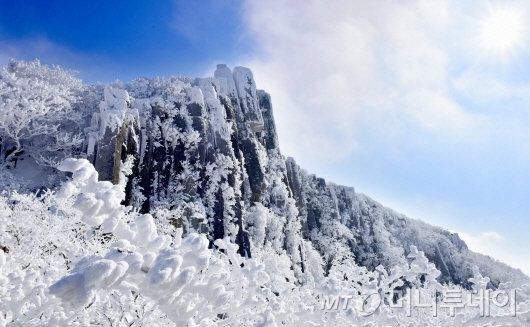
[[203, 154]]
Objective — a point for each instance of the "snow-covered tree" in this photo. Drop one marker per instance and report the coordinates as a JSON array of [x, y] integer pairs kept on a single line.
[[79, 255], [36, 114], [82, 258]]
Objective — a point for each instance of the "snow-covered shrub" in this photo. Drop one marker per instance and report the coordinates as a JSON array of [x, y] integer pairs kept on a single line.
[[41, 240], [36, 112], [186, 281], [79, 257]]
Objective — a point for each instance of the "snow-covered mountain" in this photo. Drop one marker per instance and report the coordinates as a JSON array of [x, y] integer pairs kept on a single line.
[[209, 147], [167, 201]]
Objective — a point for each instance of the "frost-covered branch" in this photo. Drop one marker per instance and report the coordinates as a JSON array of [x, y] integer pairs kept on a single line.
[[35, 101]]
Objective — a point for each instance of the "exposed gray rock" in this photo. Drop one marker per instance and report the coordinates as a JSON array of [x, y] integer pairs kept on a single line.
[[206, 151], [270, 137], [114, 133]]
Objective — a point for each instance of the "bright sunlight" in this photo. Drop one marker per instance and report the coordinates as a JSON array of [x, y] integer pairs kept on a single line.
[[503, 30]]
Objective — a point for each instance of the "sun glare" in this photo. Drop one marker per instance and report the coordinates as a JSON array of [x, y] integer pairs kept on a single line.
[[503, 30]]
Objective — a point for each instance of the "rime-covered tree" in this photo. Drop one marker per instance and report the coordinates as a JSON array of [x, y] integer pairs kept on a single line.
[[36, 112]]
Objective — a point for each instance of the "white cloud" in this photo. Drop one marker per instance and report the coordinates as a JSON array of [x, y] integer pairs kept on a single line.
[[7, 52], [488, 243], [484, 88], [395, 90], [33, 48], [340, 69], [4, 59], [494, 245], [440, 115], [94, 67]]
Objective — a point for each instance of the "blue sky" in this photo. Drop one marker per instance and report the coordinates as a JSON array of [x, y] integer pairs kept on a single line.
[[108, 40], [418, 104]]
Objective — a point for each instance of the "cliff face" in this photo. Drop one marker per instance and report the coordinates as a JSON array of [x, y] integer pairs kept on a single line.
[[203, 154]]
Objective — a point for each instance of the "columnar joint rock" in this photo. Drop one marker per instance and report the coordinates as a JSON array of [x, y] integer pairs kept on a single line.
[[206, 151], [114, 134]]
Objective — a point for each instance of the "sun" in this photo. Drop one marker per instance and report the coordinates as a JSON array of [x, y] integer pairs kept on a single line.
[[503, 31]]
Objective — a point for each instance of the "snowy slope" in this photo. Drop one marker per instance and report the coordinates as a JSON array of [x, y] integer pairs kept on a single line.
[[208, 147], [175, 206]]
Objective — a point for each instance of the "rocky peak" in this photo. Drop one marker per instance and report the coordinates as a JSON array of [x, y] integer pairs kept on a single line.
[[206, 157]]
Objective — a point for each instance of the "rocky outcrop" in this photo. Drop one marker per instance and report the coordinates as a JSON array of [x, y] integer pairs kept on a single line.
[[113, 134], [204, 155]]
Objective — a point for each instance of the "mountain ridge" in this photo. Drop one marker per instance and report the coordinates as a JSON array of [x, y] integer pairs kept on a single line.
[[203, 155]]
